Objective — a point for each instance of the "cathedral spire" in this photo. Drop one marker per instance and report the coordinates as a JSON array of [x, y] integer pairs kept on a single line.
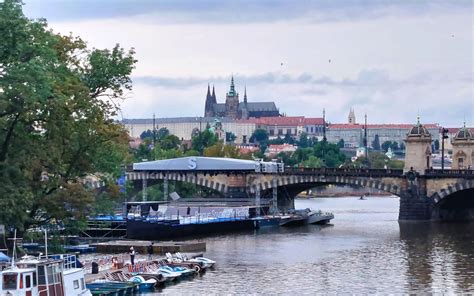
[[208, 90], [232, 87], [213, 96], [245, 95]]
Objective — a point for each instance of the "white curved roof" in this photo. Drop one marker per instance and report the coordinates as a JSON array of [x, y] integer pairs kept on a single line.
[[196, 163]]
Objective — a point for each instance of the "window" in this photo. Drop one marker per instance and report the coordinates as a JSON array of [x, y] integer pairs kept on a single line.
[[76, 284], [280, 131], [83, 286], [28, 281], [34, 279], [288, 131], [244, 139], [41, 275], [272, 132], [311, 129], [9, 281]]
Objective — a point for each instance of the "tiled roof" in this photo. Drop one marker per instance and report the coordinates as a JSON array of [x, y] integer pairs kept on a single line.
[[315, 121], [289, 121], [379, 126]]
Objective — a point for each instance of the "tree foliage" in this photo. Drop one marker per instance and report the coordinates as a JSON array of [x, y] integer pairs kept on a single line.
[[376, 143], [57, 100]]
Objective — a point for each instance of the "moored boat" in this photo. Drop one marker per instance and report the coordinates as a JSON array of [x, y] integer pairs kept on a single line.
[[318, 217], [44, 276]]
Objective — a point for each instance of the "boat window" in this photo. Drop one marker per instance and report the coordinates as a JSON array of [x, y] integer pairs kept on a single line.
[[83, 285], [49, 271], [41, 275], [76, 284], [28, 281], [9, 281], [34, 279]]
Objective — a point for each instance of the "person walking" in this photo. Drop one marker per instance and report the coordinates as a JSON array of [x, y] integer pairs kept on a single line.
[[132, 256], [150, 251]]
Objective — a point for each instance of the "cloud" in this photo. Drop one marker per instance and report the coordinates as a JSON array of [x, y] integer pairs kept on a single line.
[[247, 11]]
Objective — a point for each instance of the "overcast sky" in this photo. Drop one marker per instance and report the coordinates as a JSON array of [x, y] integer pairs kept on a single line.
[[391, 59]]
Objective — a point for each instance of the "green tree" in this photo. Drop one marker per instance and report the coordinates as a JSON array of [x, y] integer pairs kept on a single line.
[[169, 142], [436, 145], [386, 145], [162, 133], [313, 162], [340, 144], [376, 143], [259, 136], [304, 141], [230, 137], [203, 140], [57, 102], [146, 134]]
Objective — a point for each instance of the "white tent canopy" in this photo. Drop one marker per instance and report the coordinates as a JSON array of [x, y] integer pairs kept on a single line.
[[196, 163]]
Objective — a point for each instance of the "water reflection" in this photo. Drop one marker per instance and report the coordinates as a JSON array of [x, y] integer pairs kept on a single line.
[[440, 256]]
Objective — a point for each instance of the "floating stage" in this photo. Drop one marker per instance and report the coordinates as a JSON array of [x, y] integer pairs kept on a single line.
[[161, 248]]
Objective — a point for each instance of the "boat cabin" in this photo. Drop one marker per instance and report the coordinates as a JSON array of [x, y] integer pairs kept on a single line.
[[55, 275]]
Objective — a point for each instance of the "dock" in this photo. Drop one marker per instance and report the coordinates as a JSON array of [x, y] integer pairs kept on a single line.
[[159, 248]]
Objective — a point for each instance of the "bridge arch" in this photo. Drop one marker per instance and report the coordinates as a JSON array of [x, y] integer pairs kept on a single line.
[[282, 180], [449, 190]]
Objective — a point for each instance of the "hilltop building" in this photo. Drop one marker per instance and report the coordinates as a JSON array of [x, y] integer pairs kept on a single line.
[[234, 109]]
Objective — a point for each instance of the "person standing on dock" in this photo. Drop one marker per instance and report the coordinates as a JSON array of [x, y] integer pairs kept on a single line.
[[150, 251], [132, 256]]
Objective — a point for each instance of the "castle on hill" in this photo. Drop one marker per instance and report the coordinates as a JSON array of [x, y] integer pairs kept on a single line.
[[234, 109]]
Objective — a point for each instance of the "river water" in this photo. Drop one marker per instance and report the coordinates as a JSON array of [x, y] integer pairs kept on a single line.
[[365, 250]]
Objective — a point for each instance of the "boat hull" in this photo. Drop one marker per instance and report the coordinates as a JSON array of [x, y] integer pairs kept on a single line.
[[139, 229]]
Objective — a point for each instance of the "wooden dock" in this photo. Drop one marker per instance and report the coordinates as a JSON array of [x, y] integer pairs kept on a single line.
[[161, 248]]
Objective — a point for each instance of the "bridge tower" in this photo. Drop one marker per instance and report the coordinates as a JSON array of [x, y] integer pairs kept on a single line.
[[418, 149], [463, 149]]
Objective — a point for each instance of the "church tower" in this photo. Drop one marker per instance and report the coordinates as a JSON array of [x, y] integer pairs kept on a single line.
[[418, 149], [351, 119], [245, 109], [232, 102], [210, 101]]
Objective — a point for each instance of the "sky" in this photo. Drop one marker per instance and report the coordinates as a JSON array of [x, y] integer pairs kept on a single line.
[[390, 59]]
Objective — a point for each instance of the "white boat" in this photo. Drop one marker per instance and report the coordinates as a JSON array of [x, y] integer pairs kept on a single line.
[[44, 276], [206, 263], [318, 217]]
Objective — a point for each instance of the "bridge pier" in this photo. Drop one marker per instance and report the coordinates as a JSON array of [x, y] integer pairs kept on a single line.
[[414, 203], [414, 208]]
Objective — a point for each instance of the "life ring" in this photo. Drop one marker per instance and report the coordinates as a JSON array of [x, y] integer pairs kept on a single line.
[[197, 268]]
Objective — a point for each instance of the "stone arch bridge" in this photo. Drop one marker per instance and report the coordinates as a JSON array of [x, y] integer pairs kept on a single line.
[[435, 195]]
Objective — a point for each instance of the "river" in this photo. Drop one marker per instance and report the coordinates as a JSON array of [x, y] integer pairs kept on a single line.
[[365, 250]]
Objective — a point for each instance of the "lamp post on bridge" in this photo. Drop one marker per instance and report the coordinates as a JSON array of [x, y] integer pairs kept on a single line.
[[444, 132]]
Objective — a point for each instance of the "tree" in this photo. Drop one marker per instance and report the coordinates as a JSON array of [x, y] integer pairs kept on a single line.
[[340, 144], [303, 141], [313, 162], [230, 137], [259, 136], [169, 142], [146, 134], [376, 143], [162, 133], [57, 103], [436, 145], [203, 140], [386, 145]]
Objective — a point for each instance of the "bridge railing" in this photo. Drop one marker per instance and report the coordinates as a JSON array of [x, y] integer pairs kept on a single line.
[[450, 173], [364, 172]]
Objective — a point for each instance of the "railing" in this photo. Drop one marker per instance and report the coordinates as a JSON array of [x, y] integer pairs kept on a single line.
[[469, 174], [344, 172]]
